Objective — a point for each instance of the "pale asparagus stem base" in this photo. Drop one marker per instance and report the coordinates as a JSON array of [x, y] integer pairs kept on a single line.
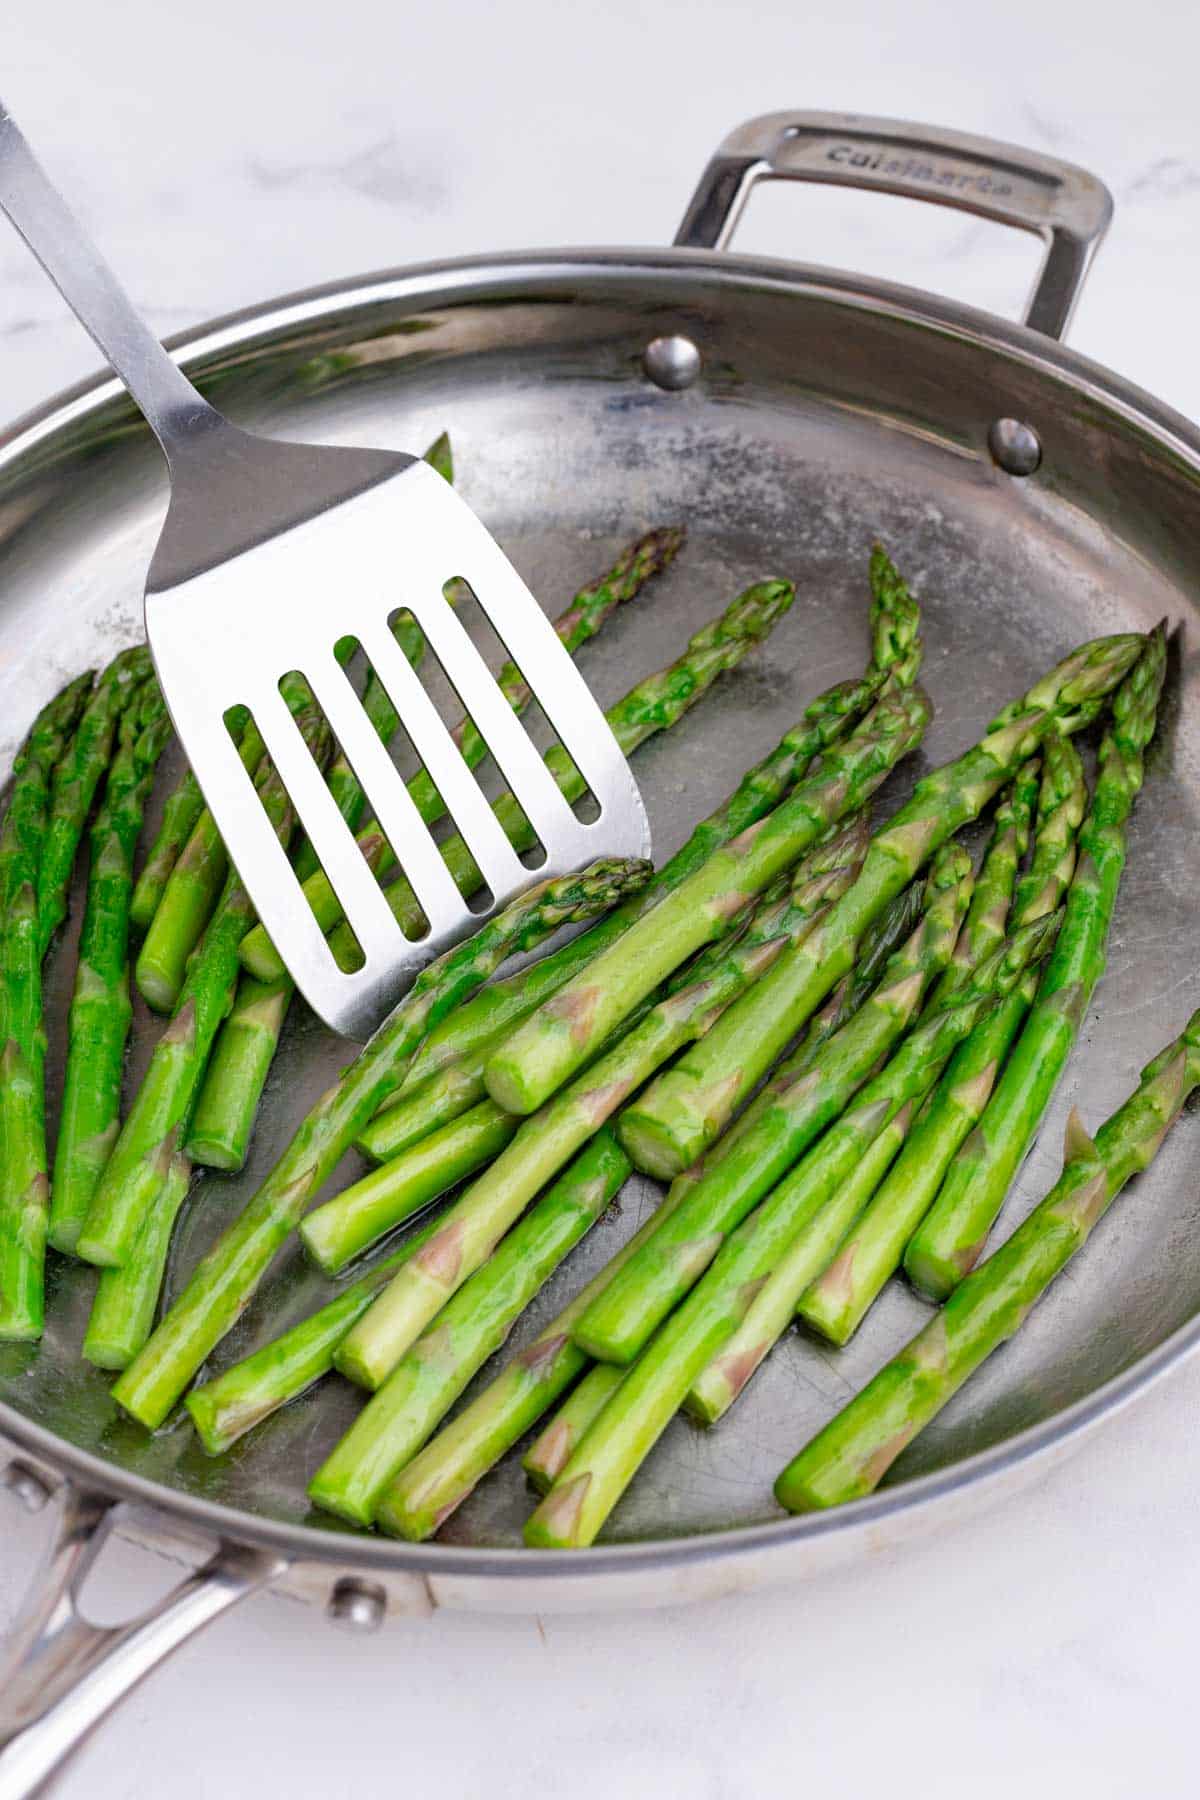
[[225, 1281], [849, 1458], [429, 1378], [553, 1448], [441, 1476]]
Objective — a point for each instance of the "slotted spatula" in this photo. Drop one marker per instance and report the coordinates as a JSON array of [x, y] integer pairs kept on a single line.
[[270, 553]]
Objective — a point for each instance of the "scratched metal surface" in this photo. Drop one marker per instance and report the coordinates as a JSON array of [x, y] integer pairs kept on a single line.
[[819, 423]]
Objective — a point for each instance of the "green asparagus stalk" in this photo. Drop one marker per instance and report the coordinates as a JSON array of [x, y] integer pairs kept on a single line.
[[801, 1099], [770, 1313], [122, 1315], [23, 1177], [851, 1455], [226, 1279], [834, 713], [181, 812], [474, 1225], [654, 705], [678, 1117], [445, 1096], [575, 626], [101, 1009], [452, 1464], [988, 917], [221, 1128], [548, 1455], [595, 1477], [429, 1378], [351, 1222], [838, 1300], [948, 1241], [252, 1390], [157, 1121], [76, 778]]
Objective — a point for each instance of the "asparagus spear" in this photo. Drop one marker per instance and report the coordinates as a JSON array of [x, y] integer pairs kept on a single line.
[[156, 1124], [123, 1310], [720, 1382], [654, 705], [236, 1075], [23, 1182], [348, 1224], [475, 1223], [76, 778], [445, 1096], [988, 916], [251, 1390], [852, 1454], [433, 1373], [576, 626], [101, 1010], [679, 1116], [947, 1243], [441, 1476], [896, 655], [594, 1478], [839, 1298], [553, 1448], [801, 1099], [226, 1279]]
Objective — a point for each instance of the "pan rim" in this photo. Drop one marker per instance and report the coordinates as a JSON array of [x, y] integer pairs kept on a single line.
[[457, 281]]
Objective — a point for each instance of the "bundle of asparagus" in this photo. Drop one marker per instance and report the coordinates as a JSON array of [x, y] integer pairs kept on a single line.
[[922, 1043], [856, 1449]]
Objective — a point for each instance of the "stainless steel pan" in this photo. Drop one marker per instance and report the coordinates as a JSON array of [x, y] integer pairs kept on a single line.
[[790, 415]]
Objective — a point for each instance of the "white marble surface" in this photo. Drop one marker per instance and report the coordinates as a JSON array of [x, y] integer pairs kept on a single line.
[[227, 152]]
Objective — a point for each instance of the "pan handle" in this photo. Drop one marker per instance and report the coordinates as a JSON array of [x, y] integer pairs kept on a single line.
[[1064, 205], [60, 1674]]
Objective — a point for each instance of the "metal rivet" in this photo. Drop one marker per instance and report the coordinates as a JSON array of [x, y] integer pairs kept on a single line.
[[1015, 447], [671, 362], [26, 1486], [357, 1605]]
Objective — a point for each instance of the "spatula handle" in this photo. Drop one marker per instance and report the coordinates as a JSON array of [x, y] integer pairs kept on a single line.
[[173, 408]]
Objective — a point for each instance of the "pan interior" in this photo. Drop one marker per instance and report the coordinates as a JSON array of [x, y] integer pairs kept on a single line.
[[816, 426]]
